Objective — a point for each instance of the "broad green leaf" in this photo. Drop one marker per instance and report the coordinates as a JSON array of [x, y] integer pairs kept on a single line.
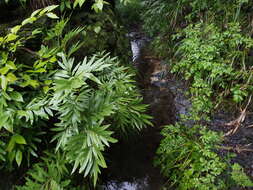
[[16, 96], [40, 70], [11, 37], [51, 8], [11, 145], [79, 2], [29, 20], [52, 15], [48, 82], [11, 77], [3, 119], [15, 29], [100, 4], [36, 31], [8, 127], [46, 89], [19, 139], [19, 157], [97, 29], [4, 82], [11, 65], [35, 13], [47, 9], [4, 70]]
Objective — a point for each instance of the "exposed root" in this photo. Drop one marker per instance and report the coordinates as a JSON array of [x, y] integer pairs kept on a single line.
[[237, 148], [249, 126], [237, 122]]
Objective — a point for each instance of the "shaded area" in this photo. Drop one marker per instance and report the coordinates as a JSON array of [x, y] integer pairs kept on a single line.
[[239, 143], [130, 162]]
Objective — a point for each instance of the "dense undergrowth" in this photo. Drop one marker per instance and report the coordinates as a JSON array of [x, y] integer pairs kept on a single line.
[[209, 45], [66, 93]]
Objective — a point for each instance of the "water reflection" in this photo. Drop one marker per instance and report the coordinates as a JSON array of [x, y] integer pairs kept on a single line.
[[139, 184]]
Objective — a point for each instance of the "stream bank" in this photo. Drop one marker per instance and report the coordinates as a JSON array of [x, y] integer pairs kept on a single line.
[[131, 162]]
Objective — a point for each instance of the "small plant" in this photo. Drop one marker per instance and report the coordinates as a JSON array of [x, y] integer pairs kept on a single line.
[[188, 157], [215, 63], [51, 173], [239, 177]]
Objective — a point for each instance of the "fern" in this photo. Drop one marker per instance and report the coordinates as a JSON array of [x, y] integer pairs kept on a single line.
[[239, 177], [49, 174], [84, 103], [92, 99]]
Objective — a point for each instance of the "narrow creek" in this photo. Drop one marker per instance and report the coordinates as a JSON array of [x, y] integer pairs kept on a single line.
[[130, 162]]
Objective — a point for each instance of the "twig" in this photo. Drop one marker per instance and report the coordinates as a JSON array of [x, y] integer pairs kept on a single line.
[[237, 149], [35, 54], [249, 126], [237, 122]]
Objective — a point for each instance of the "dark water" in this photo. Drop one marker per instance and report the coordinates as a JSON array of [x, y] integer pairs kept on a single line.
[[130, 165]]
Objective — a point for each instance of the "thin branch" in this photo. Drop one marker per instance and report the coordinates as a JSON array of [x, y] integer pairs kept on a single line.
[[237, 149], [35, 54], [237, 122]]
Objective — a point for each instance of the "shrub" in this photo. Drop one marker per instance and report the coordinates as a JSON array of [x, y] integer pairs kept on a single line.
[[188, 158]]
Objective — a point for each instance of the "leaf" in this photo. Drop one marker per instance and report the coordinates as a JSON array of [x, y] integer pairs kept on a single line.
[[46, 89], [11, 77], [4, 70], [100, 4], [11, 65], [19, 139], [8, 127], [4, 82], [16, 96], [47, 9], [19, 157], [15, 29], [3, 119], [52, 15], [51, 8], [36, 31], [35, 13], [11, 37], [48, 82], [40, 70], [29, 20], [79, 2], [97, 29], [34, 83], [11, 145]]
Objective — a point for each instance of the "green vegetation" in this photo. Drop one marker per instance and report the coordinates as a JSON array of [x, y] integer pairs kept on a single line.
[[67, 90], [60, 108], [209, 45], [188, 159], [216, 62]]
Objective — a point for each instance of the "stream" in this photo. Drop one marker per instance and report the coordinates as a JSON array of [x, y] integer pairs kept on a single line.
[[130, 162]]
